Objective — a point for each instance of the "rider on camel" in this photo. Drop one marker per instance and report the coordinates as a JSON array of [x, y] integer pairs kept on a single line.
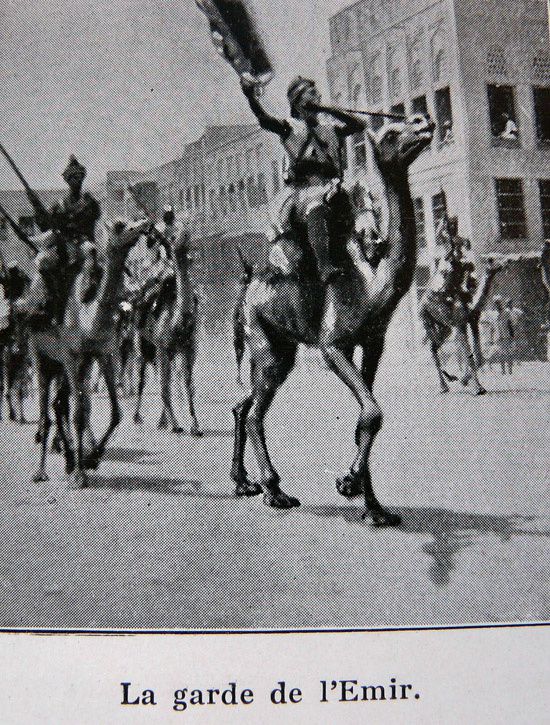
[[158, 282], [314, 151], [72, 221]]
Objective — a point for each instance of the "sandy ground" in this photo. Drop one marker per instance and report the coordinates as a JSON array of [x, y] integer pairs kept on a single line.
[[158, 540]]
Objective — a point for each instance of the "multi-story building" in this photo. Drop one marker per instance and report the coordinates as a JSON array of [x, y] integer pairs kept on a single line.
[[481, 69]]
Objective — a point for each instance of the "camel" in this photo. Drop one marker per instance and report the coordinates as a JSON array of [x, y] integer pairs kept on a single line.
[[66, 352], [355, 309], [238, 321], [14, 369], [441, 317], [167, 333]]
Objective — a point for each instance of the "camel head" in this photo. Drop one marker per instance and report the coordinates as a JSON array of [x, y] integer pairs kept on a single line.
[[397, 145], [123, 235]]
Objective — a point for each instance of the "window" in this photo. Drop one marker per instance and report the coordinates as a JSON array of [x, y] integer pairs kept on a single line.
[[416, 74], [439, 211], [251, 190], [232, 198], [262, 189], [188, 199], [502, 113], [398, 109], [223, 201], [376, 123], [541, 100], [359, 150], [275, 177], [541, 67], [544, 190], [197, 195], [496, 61], [511, 211], [395, 83], [419, 105], [420, 222], [213, 205], [444, 114], [181, 198], [242, 194]]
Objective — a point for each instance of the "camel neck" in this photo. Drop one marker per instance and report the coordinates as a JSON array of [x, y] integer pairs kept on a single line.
[[105, 302], [183, 282], [402, 251]]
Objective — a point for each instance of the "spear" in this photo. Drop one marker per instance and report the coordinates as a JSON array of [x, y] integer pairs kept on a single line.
[[18, 231], [33, 196], [362, 112]]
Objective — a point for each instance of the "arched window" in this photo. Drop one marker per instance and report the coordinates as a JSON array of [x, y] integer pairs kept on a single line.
[[541, 67], [251, 191]]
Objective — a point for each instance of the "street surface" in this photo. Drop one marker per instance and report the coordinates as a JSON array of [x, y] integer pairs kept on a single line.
[[158, 540]]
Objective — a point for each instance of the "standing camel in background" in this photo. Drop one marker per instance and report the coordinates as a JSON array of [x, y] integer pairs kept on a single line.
[[282, 310], [441, 316], [168, 332], [67, 351]]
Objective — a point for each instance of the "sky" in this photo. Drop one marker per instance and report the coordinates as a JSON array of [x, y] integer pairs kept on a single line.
[[124, 84]]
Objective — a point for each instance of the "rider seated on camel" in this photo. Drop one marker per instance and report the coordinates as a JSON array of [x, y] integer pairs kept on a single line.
[[70, 223], [158, 282], [314, 151]]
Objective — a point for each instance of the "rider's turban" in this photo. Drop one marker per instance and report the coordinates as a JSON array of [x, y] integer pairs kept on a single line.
[[74, 170], [295, 91]]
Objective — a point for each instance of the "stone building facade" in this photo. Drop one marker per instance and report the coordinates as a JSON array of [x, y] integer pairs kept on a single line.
[[467, 63]]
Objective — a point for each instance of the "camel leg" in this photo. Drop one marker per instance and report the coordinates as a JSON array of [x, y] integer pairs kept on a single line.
[[469, 359], [109, 375], [44, 383], [243, 485], [2, 374], [476, 338], [188, 360], [63, 432], [368, 425], [80, 393], [272, 364], [238, 346], [141, 385], [166, 390]]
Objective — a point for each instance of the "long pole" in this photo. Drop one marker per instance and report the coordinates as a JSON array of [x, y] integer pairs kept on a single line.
[[17, 229]]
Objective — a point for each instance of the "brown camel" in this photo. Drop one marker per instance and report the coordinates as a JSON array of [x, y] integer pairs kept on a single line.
[[441, 316], [66, 352], [355, 309], [169, 332]]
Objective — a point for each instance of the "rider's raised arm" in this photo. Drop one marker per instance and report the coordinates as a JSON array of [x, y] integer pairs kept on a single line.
[[276, 125], [350, 123]]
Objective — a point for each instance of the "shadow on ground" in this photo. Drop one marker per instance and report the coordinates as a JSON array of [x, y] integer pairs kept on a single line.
[[155, 484], [451, 531]]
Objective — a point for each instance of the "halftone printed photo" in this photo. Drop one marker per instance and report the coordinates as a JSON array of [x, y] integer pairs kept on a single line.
[[274, 315]]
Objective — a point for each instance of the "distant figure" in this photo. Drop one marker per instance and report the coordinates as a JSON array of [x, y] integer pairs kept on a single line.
[[509, 128], [516, 316], [501, 336], [448, 135]]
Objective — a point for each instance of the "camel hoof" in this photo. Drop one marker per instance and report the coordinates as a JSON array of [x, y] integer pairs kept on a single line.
[[40, 477], [444, 389], [13, 417], [349, 486], [177, 429], [91, 462], [280, 500], [56, 446], [480, 391], [162, 424], [196, 431], [245, 487], [138, 420], [381, 517], [38, 437]]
